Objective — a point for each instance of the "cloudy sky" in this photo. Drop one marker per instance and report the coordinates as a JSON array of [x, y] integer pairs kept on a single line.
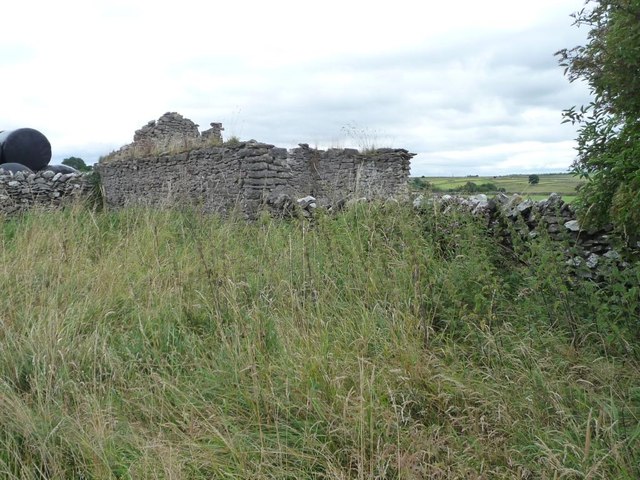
[[471, 86]]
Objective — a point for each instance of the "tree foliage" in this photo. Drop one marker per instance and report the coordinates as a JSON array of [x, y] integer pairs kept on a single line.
[[77, 163], [609, 126], [472, 187], [534, 179]]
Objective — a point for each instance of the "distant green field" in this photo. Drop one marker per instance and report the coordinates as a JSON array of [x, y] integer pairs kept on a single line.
[[562, 183]]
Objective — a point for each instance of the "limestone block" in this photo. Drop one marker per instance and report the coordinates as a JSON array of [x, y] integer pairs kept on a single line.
[[572, 226]]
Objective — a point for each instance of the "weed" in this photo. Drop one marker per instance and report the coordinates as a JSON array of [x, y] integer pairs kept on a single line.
[[380, 342], [232, 141]]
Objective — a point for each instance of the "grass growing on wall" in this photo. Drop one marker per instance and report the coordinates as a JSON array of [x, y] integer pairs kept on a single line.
[[380, 343]]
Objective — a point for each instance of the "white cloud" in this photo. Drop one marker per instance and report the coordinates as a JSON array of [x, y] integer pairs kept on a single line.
[[476, 78], [497, 159]]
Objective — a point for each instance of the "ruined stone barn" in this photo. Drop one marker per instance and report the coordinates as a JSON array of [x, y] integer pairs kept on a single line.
[[171, 163]]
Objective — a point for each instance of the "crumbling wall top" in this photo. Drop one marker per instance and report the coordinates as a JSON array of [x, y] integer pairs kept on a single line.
[[168, 127], [171, 133]]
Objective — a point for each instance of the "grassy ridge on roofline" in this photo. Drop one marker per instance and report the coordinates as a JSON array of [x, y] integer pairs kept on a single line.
[[379, 343]]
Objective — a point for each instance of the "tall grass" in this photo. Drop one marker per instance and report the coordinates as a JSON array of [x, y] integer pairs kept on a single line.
[[378, 343]]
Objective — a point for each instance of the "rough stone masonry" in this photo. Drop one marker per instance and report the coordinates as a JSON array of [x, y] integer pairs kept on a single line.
[[22, 191], [589, 253], [170, 163]]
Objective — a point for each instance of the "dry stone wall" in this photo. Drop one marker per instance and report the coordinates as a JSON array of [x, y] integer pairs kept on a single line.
[[245, 175], [21, 191], [169, 126], [171, 133], [516, 219]]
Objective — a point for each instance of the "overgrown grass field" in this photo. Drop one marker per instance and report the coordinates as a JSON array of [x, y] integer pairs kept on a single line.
[[378, 343]]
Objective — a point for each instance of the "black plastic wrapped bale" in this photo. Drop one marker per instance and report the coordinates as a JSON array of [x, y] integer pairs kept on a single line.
[[59, 169], [26, 146], [12, 167]]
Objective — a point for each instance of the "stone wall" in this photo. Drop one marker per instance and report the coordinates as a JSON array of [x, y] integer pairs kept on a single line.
[[213, 134], [171, 133], [513, 218], [247, 174], [243, 175], [169, 126], [47, 189]]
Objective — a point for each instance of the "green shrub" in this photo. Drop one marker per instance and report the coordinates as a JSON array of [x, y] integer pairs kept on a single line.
[[609, 126]]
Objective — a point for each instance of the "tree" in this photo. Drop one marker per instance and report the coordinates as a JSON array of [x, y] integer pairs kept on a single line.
[[469, 187], [534, 179], [609, 126], [77, 163]]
